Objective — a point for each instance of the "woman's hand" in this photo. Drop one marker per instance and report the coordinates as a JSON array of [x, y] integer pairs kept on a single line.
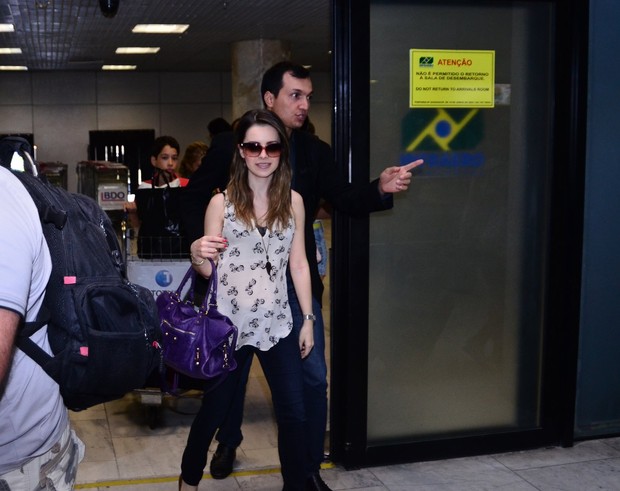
[[207, 247], [306, 338]]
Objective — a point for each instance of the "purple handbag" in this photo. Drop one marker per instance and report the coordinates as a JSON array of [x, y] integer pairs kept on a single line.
[[197, 341]]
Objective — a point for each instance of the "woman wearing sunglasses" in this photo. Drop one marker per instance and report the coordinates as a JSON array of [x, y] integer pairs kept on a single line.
[[253, 231]]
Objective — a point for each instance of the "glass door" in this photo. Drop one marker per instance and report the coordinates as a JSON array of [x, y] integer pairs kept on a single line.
[[457, 277]]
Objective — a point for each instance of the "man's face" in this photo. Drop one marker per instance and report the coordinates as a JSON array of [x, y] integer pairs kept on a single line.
[[292, 103]]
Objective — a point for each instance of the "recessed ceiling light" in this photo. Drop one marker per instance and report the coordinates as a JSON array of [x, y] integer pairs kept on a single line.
[[136, 51], [10, 51], [160, 28], [7, 28], [118, 67], [13, 68]]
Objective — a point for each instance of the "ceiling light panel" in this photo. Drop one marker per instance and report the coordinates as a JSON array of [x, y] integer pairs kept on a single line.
[[118, 67], [136, 51], [160, 28]]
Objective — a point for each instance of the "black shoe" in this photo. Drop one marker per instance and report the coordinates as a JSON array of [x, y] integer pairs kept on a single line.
[[222, 461], [315, 483]]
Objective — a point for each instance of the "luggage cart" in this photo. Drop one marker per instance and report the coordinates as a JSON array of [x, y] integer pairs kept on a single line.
[[156, 274], [107, 183]]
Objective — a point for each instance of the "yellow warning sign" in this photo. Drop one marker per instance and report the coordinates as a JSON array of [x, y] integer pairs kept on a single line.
[[452, 78]]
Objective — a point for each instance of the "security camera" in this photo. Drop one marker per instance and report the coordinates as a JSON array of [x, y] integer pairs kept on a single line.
[[109, 7]]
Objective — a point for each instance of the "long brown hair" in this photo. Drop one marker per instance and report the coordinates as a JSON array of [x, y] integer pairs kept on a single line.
[[239, 193]]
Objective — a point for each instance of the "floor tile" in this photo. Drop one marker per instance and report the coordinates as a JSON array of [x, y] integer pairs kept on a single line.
[[261, 482], [467, 474], [580, 452], [339, 478], [612, 442], [601, 475], [95, 433], [258, 459], [92, 472], [149, 456]]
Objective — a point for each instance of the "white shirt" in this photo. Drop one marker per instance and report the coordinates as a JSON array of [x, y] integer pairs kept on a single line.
[[32, 413]]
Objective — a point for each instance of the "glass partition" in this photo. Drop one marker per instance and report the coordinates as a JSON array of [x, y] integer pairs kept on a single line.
[[457, 268]]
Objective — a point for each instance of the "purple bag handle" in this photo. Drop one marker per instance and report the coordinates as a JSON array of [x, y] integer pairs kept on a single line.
[[212, 289], [210, 299]]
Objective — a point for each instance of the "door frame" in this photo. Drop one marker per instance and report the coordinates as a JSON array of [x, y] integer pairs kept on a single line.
[[350, 247]]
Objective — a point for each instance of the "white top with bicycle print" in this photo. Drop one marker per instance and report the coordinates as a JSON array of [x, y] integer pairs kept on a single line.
[[251, 292]]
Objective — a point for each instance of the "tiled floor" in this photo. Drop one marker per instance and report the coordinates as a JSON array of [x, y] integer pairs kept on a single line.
[[124, 454]]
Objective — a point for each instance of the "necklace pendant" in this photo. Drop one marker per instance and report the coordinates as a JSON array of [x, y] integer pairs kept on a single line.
[[268, 267]]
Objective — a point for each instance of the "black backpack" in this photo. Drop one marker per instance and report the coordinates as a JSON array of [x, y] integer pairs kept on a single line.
[[103, 330]]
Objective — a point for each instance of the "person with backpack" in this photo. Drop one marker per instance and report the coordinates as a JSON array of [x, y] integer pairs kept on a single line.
[[38, 448], [254, 230], [91, 312]]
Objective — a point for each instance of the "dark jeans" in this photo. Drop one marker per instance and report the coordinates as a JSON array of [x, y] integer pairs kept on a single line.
[[315, 392], [283, 371]]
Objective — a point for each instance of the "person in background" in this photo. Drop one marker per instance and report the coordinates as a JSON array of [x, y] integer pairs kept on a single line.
[[38, 448], [217, 126], [286, 90], [155, 212], [165, 162], [254, 231], [192, 158]]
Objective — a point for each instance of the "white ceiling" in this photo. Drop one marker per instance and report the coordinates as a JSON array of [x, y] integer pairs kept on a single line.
[[75, 35]]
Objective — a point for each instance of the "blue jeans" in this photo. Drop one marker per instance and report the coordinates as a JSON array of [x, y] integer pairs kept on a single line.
[[283, 371], [321, 246], [315, 392]]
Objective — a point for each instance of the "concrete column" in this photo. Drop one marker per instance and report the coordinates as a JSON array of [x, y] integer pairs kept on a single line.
[[250, 59]]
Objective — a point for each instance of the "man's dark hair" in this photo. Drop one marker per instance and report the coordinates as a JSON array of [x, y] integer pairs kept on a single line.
[[218, 125], [272, 79]]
